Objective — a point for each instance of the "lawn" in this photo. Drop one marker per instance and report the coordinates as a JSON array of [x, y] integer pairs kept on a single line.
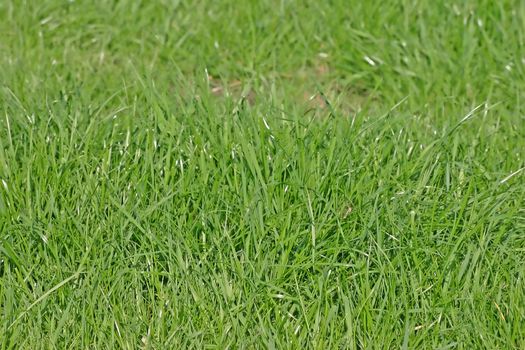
[[262, 174]]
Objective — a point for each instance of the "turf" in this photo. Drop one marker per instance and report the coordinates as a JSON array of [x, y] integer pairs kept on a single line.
[[262, 174]]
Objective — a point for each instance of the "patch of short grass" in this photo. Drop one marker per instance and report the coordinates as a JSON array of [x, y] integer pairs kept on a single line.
[[263, 174]]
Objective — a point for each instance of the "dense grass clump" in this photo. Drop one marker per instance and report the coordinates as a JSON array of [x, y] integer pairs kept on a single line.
[[270, 174]]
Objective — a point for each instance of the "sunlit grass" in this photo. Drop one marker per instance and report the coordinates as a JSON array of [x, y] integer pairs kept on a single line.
[[271, 174]]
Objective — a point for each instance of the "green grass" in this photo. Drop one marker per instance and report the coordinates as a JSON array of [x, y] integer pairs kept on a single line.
[[262, 174]]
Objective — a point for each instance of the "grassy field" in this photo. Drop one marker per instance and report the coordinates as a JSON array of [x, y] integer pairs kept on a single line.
[[262, 174]]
